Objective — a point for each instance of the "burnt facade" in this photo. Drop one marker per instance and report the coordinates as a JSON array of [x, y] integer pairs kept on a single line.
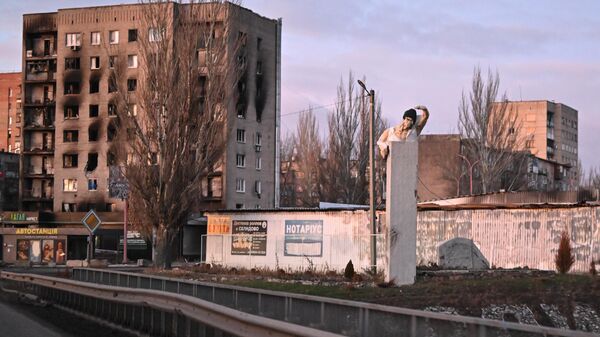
[[10, 112], [68, 110]]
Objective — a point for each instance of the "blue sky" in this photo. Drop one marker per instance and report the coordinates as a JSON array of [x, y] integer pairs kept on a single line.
[[416, 52]]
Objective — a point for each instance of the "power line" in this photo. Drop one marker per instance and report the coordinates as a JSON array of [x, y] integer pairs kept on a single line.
[[318, 107], [427, 188]]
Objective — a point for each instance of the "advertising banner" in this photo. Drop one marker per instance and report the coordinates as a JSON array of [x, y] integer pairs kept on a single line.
[[218, 225], [249, 237], [303, 238]]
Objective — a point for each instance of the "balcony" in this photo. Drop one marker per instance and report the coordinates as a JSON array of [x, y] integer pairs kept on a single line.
[[46, 125], [37, 194], [39, 172], [31, 54], [39, 150], [38, 102]]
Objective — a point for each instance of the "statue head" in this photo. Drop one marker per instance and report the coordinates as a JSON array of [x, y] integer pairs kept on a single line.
[[409, 118]]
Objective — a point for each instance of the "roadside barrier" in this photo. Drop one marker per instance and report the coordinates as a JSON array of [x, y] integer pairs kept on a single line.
[[151, 312], [349, 318]]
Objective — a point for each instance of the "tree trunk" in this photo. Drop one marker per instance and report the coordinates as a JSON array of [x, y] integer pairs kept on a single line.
[[162, 249]]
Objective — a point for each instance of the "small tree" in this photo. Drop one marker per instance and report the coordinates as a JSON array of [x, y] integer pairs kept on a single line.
[[564, 258], [349, 271]]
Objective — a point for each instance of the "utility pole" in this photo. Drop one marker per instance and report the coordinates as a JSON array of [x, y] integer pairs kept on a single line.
[[371, 94]]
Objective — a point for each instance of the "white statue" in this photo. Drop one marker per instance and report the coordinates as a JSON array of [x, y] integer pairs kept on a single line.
[[408, 130]]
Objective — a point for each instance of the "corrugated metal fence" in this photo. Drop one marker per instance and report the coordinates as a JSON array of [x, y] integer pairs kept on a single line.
[[511, 238]]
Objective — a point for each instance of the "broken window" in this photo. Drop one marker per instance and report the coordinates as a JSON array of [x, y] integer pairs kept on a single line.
[[132, 35], [70, 136], [71, 111], [94, 110], [70, 160], [92, 162], [69, 207], [93, 133], [71, 88], [94, 86], [71, 63]]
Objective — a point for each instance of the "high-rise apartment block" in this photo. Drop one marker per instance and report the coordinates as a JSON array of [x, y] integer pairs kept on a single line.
[[69, 108], [10, 112], [550, 132]]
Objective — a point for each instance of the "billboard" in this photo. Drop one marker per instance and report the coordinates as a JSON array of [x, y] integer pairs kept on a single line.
[[249, 237], [303, 238]]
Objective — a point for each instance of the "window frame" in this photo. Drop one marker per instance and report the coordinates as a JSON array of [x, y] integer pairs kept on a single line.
[[98, 38], [69, 185], [113, 34]]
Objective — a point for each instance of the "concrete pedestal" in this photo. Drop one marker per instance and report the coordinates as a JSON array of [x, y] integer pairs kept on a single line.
[[401, 212]]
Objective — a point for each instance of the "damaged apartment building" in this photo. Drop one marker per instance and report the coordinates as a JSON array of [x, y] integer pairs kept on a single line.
[[69, 111]]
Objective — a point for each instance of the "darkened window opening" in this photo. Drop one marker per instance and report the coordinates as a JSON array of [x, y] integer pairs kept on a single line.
[[92, 162], [94, 110], [94, 86], [132, 35], [131, 84], [71, 88], [93, 133]]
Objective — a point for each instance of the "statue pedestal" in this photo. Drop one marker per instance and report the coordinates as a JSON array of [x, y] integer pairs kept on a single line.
[[401, 212]]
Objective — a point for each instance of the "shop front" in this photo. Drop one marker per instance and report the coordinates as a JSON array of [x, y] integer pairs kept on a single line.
[[37, 245]]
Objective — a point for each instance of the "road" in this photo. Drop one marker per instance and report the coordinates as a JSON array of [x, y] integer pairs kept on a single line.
[[18, 318]]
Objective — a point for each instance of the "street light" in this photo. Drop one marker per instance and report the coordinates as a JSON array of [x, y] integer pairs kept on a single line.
[[470, 171], [371, 94]]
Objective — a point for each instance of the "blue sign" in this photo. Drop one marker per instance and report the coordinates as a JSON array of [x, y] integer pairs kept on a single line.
[[303, 238]]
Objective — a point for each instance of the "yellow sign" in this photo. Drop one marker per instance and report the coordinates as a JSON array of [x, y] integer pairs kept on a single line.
[[36, 231], [219, 225]]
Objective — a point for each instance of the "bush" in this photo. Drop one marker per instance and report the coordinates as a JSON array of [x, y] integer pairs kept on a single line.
[[349, 271], [564, 258]]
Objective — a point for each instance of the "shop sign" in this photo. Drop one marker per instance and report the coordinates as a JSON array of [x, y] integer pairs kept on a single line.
[[36, 231], [20, 217], [303, 238], [249, 238], [218, 225]]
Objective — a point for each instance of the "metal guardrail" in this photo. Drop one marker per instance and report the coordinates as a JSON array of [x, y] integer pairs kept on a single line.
[[344, 317], [153, 312]]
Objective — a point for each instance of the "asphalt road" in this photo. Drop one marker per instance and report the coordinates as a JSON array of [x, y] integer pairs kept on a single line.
[[18, 318]]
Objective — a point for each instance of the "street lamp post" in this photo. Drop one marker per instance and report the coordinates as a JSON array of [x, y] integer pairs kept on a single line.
[[470, 171], [371, 94]]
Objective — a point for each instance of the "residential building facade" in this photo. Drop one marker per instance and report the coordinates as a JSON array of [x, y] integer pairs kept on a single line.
[[69, 110], [10, 112], [550, 132]]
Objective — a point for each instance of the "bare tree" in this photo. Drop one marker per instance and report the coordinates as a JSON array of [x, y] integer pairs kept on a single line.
[[589, 183], [308, 150], [288, 171], [346, 176], [492, 134], [171, 124]]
